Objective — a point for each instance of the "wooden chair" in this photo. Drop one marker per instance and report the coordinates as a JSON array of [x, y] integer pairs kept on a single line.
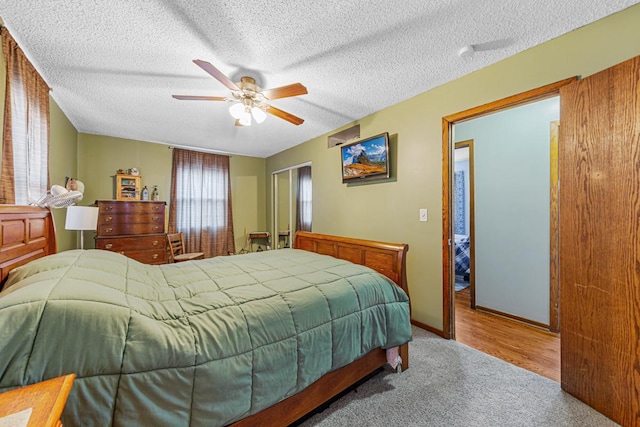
[[176, 249]]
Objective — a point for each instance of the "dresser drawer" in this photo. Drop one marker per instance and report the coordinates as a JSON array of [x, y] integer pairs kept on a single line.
[[133, 207], [148, 257], [137, 243], [126, 229], [115, 219]]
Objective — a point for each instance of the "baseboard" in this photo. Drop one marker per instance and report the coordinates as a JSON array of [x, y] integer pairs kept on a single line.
[[428, 328], [513, 317]]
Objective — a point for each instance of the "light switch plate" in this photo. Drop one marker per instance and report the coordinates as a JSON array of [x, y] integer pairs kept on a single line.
[[424, 215]]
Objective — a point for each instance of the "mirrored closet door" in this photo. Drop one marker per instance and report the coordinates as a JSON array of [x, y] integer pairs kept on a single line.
[[292, 204]]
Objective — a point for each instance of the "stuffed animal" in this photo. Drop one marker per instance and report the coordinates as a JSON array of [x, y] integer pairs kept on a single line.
[[72, 185]]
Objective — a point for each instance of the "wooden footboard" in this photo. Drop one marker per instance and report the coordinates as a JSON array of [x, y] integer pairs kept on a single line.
[[388, 259]]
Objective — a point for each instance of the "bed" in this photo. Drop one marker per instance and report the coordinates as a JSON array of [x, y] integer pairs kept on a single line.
[[157, 345], [462, 255]]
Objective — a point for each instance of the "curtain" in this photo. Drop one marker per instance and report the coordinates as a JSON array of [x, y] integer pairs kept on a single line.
[[459, 225], [303, 199], [201, 202], [25, 147]]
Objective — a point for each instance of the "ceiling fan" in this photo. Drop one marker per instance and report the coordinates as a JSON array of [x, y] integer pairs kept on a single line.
[[249, 100]]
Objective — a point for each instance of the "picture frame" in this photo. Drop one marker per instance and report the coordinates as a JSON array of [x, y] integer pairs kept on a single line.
[[366, 159]]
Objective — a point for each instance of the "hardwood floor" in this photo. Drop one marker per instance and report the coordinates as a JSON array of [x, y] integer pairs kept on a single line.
[[526, 346]]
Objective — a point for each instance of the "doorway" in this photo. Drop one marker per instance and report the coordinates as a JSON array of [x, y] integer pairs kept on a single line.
[[511, 213], [447, 209], [464, 220], [497, 329]]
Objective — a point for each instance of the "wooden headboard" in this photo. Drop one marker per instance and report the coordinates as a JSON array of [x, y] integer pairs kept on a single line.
[[388, 259], [26, 233]]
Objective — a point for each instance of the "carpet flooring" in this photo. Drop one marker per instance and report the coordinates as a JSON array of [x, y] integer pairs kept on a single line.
[[450, 384]]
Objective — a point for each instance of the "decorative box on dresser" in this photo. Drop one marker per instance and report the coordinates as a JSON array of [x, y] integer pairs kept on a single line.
[[134, 228]]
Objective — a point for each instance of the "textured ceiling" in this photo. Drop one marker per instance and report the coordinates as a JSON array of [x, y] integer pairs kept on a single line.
[[114, 64]]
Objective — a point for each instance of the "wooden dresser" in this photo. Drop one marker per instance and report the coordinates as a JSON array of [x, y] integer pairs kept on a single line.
[[133, 228]]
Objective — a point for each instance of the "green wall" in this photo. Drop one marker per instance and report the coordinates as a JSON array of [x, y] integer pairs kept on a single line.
[[63, 162], [388, 211], [248, 187], [101, 156]]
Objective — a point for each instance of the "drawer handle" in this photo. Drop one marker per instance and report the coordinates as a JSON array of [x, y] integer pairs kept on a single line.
[[108, 208], [108, 230], [108, 219], [155, 256], [155, 243], [155, 218], [155, 208], [108, 246], [155, 228]]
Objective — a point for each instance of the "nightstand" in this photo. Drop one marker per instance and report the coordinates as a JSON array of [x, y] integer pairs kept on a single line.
[[46, 400]]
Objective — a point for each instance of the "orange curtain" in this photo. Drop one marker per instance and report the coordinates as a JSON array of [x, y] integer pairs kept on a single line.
[[25, 147], [201, 202]]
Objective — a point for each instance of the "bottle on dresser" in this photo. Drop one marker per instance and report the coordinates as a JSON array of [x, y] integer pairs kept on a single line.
[[155, 194], [145, 193]]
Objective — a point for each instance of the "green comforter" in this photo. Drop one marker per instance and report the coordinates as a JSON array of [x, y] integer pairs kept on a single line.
[[198, 343]]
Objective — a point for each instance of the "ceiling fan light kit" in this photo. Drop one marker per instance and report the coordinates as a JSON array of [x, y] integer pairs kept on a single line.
[[237, 111], [249, 99]]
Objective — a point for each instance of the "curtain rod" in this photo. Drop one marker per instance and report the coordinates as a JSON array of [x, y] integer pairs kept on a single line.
[[201, 150]]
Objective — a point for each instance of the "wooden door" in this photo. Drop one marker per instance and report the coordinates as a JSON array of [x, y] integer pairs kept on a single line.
[[600, 241]]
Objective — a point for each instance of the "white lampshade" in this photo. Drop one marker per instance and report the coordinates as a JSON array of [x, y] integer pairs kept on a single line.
[[258, 114], [237, 110], [245, 120], [81, 218]]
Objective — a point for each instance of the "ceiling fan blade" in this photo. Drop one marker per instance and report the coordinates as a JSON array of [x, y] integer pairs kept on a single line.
[[199, 98], [285, 91], [217, 74], [284, 115], [238, 123]]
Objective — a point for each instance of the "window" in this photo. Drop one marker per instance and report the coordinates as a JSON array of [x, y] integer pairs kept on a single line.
[[304, 199], [25, 148], [201, 202]]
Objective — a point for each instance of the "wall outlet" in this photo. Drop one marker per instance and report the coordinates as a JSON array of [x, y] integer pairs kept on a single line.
[[424, 215]]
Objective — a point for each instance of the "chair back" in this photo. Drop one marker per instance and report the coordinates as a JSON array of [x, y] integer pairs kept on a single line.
[[176, 244]]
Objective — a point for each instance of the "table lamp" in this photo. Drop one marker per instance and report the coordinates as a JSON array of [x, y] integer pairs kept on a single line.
[[81, 218]]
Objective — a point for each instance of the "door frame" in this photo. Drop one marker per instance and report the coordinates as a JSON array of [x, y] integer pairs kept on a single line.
[[543, 92], [554, 228], [472, 226]]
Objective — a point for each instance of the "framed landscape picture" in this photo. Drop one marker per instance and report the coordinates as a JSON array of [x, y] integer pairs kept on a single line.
[[366, 159]]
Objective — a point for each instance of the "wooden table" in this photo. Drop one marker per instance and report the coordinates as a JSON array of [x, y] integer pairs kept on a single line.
[[260, 235], [46, 400]]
